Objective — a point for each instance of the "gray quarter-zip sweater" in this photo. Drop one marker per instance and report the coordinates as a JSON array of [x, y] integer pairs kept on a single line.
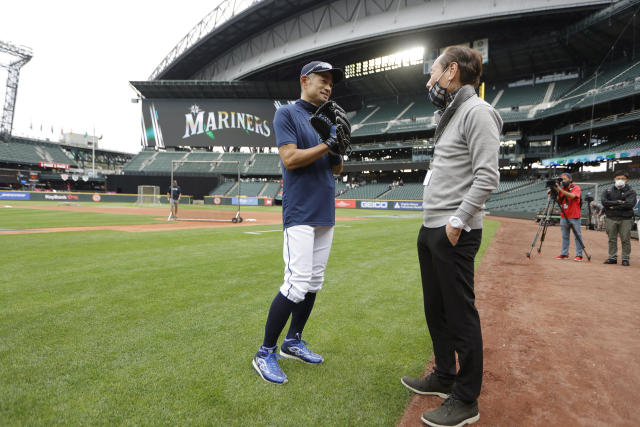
[[464, 168]]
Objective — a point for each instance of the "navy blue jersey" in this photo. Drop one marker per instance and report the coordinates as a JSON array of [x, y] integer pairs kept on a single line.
[[308, 196], [175, 192]]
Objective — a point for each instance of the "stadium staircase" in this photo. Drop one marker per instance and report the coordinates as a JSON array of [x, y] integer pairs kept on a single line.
[[251, 189], [251, 164], [232, 191], [222, 189], [32, 154], [340, 187], [408, 191], [271, 189], [366, 191], [264, 165]]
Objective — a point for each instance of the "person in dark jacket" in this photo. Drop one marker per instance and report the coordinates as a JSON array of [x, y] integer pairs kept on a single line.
[[618, 201]]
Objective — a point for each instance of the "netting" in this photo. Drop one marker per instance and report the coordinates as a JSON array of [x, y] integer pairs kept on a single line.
[[214, 168], [148, 194]]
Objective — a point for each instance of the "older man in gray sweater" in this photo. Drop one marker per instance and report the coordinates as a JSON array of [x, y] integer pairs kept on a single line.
[[462, 174]]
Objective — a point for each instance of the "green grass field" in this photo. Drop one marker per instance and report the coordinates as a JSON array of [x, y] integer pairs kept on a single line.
[[21, 219], [106, 327]]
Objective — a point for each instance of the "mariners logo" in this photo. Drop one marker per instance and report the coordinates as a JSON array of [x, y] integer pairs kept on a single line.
[[218, 120]]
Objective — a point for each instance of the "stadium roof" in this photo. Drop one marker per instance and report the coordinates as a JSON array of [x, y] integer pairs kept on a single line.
[[520, 46], [208, 89], [228, 31], [233, 23]]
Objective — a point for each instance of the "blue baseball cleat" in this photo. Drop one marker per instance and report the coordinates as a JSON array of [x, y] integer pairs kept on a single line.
[[297, 349], [266, 364]]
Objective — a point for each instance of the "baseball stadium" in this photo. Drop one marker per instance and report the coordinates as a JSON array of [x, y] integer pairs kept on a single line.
[[116, 309]]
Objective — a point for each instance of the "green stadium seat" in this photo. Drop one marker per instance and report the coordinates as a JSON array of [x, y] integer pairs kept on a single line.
[[162, 162], [408, 191], [522, 95], [136, 163], [229, 168], [265, 164], [199, 168], [271, 190], [366, 191], [28, 153], [250, 189], [223, 188]]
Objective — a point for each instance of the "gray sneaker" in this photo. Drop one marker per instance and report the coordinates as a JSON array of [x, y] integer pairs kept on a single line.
[[430, 385], [452, 413]]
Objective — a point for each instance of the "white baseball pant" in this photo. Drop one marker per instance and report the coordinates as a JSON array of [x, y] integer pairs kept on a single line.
[[306, 252]]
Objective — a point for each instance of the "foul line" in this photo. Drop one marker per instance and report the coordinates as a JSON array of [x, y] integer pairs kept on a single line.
[[280, 230]]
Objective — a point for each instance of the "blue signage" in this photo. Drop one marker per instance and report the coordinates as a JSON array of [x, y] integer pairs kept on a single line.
[[14, 196], [245, 201], [409, 206]]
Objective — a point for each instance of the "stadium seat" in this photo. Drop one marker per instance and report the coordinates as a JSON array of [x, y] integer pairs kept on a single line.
[[365, 191]]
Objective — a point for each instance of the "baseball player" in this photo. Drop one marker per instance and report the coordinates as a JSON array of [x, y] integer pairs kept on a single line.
[[310, 134], [174, 194]]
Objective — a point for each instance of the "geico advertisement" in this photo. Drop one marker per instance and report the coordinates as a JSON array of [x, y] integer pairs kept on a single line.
[[207, 122], [374, 204]]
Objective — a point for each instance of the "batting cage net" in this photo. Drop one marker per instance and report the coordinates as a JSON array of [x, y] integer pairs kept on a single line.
[[148, 194], [213, 168]]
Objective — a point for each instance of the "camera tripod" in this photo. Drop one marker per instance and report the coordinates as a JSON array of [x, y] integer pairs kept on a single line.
[[545, 221]]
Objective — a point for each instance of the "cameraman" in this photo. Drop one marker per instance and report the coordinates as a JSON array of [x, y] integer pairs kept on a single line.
[[597, 215], [569, 201], [618, 201]]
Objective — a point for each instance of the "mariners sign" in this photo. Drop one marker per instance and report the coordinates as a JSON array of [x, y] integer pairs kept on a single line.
[[207, 122]]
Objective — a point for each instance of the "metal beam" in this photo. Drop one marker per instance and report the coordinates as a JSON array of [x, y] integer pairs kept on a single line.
[[23, 55]]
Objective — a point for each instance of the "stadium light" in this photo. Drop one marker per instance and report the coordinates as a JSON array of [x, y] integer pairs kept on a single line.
[[405, 58]]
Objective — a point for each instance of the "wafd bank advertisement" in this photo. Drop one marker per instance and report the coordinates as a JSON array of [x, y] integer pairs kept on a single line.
[[206, 122]]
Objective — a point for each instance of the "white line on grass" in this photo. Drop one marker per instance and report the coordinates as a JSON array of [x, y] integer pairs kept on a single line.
[[279, 230], [260, 232]]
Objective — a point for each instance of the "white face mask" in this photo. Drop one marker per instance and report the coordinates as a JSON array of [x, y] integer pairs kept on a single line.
[[620, 183]]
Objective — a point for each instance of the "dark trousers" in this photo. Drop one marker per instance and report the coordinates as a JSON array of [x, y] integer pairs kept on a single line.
[[449, 306], [621, 226]]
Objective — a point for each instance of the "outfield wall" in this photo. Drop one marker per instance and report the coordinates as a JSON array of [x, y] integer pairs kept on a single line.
[[339, 203], [403, 205], [40, 196]]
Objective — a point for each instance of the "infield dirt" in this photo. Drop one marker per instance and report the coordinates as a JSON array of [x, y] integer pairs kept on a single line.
[[561, 338], [249, 218]]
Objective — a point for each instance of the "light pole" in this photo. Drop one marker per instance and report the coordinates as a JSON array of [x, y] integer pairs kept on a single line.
[[93, 154]]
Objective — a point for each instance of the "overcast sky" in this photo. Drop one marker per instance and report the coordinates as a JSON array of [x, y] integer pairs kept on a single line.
[[84, 55]]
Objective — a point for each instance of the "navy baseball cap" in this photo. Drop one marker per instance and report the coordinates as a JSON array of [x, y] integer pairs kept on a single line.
[[567, 174], [321, 66]]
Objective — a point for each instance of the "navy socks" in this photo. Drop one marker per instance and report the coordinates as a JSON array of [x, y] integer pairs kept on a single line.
[[281, 309], [300, 315], [279, 313]]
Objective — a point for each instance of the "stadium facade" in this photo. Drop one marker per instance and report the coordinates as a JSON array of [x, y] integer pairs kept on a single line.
[[564, 75]]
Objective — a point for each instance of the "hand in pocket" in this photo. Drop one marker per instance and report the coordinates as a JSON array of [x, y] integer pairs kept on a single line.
[[453, 234]]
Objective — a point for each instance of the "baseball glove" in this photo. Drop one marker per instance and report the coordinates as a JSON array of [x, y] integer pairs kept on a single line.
[[331, 123]]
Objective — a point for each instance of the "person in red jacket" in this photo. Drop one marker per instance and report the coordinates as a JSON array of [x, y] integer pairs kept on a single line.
[[569, 196]]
